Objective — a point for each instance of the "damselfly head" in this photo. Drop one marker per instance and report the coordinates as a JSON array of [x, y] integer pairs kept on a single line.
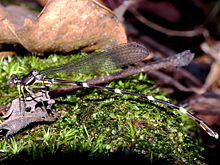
[[12, 80]]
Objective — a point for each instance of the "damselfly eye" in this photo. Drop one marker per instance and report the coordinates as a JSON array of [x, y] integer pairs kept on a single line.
[[10, 83], [14, 77]]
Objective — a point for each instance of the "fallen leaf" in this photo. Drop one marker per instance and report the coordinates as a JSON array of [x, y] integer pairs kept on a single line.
[[206, 106], [22, 114], [62, 26], [42, 2], [159, 8], [5, 54], [212, 48]]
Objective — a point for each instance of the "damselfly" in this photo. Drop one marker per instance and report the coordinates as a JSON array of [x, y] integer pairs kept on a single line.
[[115, 57]]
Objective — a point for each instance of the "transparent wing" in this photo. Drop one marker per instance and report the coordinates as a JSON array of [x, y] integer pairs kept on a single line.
[[108, 59]]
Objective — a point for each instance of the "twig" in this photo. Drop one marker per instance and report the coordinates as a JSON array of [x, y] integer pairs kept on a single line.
[[177, 60], [188, 33]]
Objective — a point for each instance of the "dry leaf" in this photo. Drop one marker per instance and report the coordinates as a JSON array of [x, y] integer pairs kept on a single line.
[[42, 2], [24, 113], [212, 48], [5, 54], [62, 26], [207, 107]]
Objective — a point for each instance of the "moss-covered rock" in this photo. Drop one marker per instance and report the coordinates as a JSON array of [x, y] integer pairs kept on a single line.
[[101, 126]]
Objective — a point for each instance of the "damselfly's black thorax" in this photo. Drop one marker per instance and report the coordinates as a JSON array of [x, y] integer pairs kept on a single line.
[[31, 78]]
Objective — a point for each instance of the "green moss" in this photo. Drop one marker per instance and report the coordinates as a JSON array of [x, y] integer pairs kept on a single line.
[[99, 125]]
